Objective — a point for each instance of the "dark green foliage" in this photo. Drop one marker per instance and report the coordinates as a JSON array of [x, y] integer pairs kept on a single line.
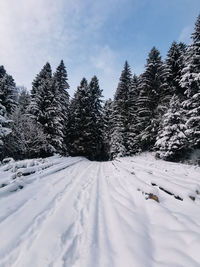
[[41, 95], [175, 64], [24, 99], [78, 126], [119, 132], [172, 140], [190, 82], [8, 97], [60, 109], [154, 96], [49, 105], [96, 122], [8, 91], [85, 124], [108, 125], [132, 118]]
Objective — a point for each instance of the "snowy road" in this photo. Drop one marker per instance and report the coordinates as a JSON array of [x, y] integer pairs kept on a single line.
[[77, 213]]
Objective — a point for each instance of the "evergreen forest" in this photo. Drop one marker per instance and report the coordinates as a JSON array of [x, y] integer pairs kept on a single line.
[[158, 110]]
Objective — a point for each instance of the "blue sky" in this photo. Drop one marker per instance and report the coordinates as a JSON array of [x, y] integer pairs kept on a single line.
[[91, 36]]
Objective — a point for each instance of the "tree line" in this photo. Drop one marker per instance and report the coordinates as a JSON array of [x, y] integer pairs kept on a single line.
[[158, 110]]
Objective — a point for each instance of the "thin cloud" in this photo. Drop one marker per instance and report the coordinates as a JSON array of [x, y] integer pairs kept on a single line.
[[33, 32]]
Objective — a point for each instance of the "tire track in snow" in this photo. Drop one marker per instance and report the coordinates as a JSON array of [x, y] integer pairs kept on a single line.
[[76, 248], [33, 229], [130, 218], [109, 246]]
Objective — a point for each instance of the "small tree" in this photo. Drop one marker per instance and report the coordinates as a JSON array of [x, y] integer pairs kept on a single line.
[[27, 139]]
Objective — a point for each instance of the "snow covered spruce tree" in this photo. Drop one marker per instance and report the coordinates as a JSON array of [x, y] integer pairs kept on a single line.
[[27, 139], [45, 109], [132, 118], [24, 99], [4, 129], [171, 140], [175, 64], [60, 107], [8, 95], [96, 121], [154, 96], [85, 122], [78, 124], [119, 132], [8, 91], [107, 127], [190, 82]]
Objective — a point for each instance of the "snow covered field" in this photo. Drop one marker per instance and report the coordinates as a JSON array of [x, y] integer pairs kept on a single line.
[[131, 212]]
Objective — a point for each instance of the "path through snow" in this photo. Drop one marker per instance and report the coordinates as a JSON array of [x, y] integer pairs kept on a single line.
[[78, 213]]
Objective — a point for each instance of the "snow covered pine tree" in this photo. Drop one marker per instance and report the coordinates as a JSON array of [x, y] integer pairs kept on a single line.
[[45, 108], [85, 123], [119, 133], [190, 82], [171, 140], [8, 95], [153, 97]]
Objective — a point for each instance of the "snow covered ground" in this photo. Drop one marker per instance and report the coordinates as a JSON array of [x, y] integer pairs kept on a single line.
[[131, 212]]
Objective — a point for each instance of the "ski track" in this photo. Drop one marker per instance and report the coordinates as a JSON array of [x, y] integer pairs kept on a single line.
[[91, 214], [23, 203], [32, 229]]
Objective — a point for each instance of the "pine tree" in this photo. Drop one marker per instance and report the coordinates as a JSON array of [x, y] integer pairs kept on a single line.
[[61, 85], [2, 72], [153, 99], [24, 99], [41, 95], [86, 126], [172, 140], [190, 82], [119, 133], [78, 121], [96, 121], [45, 109], [107, 127], [27, 139], [61, 103], [8, 91], [117, 147], [4, 129], [175, 64], [132, 114], [8, 94]]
